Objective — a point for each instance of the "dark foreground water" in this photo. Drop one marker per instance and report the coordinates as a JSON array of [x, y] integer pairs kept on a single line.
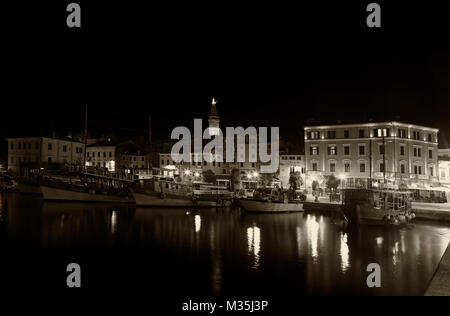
[[209, 251]]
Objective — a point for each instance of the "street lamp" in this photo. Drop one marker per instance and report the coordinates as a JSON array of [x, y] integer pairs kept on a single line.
[[255, 174]]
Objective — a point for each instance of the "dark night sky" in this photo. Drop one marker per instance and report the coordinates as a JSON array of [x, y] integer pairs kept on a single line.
[[276, 64]]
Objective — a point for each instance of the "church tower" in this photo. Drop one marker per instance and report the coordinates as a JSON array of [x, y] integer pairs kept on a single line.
[[213, 119]]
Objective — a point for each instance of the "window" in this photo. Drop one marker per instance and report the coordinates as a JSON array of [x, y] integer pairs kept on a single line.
[[362, 150], [49, 159], [124, 158], [402, 150], [253, 165], [110, 154], [332, 150], [142, 159], [402, 133], [403, 168], [416, 135], [381, 132], [242, 165], [332, 167], [432, 171], [430, 138], [417, 152], [430, 153], [381, 167], [443, 174], [314, 166], [315, 135], [98, 154], [347, 167], [331, 134], [49, 146], [134, 158], [417, 169], [346, 134], [362, 167], [381, 149], [64, 148], [12, 146], [219, 164], [168, 162], [314, 150], [162, 161], [104, 154], [346, 150], [362, 133]]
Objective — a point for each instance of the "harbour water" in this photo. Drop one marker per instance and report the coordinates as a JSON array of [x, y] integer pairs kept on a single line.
[[210, 251]]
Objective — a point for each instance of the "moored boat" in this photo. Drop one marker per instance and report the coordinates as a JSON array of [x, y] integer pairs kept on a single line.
[[73, 194], [165, 192], [377, 206]]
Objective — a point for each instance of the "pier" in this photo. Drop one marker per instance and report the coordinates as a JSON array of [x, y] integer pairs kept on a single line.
[[440, 283], [423, 211]]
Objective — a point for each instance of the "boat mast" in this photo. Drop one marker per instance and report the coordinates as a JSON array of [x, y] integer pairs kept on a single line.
[[85, 139], [370, 163], [384, 156]]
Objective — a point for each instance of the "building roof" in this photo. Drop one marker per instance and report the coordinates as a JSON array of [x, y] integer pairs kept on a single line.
[[372, 124]]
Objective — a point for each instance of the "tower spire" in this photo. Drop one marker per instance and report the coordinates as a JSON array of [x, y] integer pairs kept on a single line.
[[213, 119]]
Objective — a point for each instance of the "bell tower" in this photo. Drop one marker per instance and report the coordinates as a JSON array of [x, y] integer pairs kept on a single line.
[[213, 119]]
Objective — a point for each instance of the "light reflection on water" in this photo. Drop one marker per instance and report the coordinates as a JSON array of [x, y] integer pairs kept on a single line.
[[254, 244], [230, 252]]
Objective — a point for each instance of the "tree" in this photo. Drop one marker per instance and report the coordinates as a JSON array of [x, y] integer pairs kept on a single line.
[[266, 179], [209, 176], [333, 183], [295, 180], [235, 178]]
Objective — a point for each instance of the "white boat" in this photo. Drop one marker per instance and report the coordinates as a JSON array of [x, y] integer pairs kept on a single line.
[[168, 200], [268, 206]]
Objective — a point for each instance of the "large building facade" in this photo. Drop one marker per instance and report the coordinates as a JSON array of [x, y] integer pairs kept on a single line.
[[391, 151], [41, 152]]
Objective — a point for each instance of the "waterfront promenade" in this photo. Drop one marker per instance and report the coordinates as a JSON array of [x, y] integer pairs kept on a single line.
[[440, 284]]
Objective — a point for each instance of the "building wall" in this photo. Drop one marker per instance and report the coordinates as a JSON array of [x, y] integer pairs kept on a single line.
[[444, 171], [444, 152], [288, 164], [348, 164], [42, 150], [102, 156]]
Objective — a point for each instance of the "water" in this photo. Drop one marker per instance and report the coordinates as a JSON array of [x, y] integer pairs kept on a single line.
[[210, 251]]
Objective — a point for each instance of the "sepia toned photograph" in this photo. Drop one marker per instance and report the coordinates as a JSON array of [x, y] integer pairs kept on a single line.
[[222, 158]]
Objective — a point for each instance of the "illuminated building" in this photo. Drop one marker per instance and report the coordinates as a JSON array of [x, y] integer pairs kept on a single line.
[[43, 152], [355, 153]]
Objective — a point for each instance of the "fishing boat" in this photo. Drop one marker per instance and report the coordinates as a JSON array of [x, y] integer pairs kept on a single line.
[[77, 191], [377, 206], [271, 201], [165, 192]]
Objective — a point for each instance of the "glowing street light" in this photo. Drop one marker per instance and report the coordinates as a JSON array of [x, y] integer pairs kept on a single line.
[[255, 174], [187, 172], [197, 174]]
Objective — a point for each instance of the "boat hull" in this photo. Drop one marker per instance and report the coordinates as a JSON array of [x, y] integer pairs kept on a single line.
[[31, 189], [154, 200], [58, 194], [270, 207]]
